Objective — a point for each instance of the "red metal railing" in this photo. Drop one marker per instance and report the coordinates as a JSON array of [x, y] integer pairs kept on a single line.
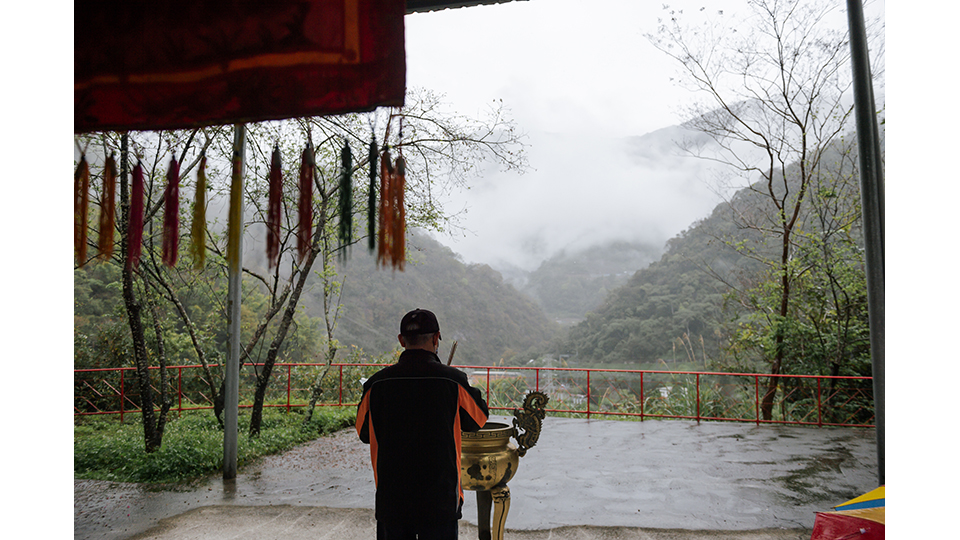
[[628, 394]]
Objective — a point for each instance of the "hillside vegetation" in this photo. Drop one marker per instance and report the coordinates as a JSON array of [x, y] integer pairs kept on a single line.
[[490, 319], [708, 301]]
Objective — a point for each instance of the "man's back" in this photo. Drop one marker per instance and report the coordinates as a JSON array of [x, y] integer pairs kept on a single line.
[[412, 414]]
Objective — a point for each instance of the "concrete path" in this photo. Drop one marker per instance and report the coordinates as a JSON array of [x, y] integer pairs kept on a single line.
[[585, 479]]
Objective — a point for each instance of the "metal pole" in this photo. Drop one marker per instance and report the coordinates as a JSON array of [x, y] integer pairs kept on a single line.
[[871, 196], [231, 394]]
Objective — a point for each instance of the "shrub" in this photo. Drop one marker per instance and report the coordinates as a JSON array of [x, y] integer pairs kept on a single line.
[[192, 444]]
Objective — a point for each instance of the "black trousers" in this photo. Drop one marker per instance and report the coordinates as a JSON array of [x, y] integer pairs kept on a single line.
[[388, 530]]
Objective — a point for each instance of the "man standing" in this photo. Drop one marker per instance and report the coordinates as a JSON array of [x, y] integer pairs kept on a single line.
[[411, 414]]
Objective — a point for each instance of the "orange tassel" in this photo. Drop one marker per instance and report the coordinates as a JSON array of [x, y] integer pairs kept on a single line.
[[198, 229], [386, 219], [392, 249], [81, 189], [108, 208]]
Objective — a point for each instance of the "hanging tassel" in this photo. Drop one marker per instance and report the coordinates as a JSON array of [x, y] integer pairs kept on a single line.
[[81, 198], [198, 229], [275, 189], [171, 214], [305, 209], [386, 221], [346, 200], [372, 199], [135, 227], [108, 208], [399, 240]]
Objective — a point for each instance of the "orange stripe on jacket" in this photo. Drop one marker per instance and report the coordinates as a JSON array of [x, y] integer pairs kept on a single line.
[[363, 417], [468, 404]]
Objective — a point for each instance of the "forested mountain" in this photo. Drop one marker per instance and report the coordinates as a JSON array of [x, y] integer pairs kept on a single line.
[[705, 297], [572, 283], [488, 318], [667, 311]]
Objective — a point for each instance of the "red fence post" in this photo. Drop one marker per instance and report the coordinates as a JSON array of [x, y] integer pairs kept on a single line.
[[180, 389], [289, 367], [488, 386], [819, 405], [642, 399], [121, 396], [588, 394], [756, 405], [698, 398]]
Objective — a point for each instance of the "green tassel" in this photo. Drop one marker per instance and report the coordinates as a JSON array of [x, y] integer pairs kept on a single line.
[[372, 199], [346, 199]]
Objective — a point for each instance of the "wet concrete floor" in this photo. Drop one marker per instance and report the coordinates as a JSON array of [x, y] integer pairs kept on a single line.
[[584, 479]]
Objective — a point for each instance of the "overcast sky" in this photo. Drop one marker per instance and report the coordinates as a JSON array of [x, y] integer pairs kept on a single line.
[[578, 76]]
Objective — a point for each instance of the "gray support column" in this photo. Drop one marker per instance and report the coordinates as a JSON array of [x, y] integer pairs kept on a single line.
[[871, 194], [231, 395]]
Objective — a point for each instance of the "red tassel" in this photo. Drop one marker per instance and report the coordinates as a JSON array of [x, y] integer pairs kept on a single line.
[[275, 191], [81, 198], [135, 228], [399, 223], [171, 214], [108, 208], [305, 209]]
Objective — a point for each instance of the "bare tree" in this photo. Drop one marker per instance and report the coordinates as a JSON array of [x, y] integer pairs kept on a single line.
[[774, 85]]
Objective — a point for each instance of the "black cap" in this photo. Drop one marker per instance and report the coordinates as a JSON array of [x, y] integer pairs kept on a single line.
[[419, 321]]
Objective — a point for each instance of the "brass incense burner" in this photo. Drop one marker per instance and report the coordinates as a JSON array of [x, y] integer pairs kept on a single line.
[[489, 460]]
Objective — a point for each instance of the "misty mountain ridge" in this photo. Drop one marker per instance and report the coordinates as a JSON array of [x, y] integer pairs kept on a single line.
[[574, 279], [572, 283]]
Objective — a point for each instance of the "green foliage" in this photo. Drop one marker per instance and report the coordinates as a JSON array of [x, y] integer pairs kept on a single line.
[[715, 295], [672, 299], [192, 445]]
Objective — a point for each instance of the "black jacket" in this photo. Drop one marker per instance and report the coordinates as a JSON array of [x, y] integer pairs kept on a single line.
[[411, 414]]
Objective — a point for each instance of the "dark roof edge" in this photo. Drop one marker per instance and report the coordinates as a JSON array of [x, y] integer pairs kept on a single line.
[[422, 6]]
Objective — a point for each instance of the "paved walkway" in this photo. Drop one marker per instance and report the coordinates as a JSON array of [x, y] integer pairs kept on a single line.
[[586, 479]]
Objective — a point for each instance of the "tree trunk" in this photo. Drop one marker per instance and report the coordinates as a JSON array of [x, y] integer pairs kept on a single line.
[[263, 379], [766, 405], [201, 355], [317, 390], [261, 329], [133, 312], [165, 400]]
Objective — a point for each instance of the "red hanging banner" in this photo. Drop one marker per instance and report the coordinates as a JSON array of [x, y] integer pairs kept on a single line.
[[168, 65]]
